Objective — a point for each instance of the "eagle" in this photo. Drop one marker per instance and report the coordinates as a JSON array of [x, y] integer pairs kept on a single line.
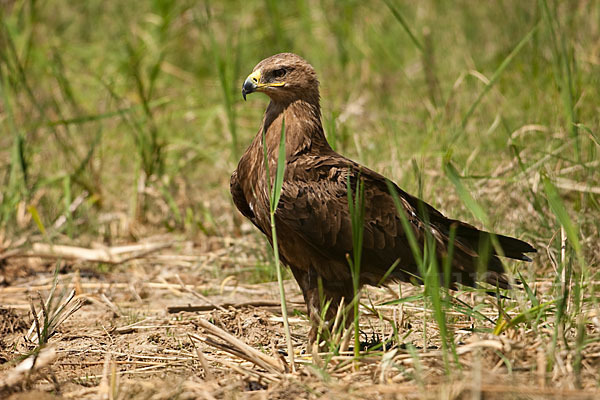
[[312, 218]]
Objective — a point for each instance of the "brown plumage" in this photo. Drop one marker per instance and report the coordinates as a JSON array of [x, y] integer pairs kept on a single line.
[[313, 223]]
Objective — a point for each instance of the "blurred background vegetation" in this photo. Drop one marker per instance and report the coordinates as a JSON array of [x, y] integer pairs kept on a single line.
[[119, 119]]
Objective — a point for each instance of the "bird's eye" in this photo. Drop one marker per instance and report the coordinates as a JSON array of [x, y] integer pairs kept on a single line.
[[279, 73]]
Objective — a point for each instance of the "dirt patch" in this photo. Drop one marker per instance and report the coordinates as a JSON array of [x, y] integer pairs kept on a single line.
[[11, 322], [126, 339], [256, 326]]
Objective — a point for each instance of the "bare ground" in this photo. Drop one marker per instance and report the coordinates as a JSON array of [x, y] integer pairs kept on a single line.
[[129, 339]]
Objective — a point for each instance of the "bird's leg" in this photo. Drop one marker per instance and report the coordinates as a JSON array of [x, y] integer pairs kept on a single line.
[[317, 296]]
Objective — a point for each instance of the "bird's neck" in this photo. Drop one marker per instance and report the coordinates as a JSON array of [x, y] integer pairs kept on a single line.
[[303, 127]]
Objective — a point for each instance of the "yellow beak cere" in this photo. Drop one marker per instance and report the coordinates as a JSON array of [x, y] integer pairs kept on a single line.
[[253, 84]]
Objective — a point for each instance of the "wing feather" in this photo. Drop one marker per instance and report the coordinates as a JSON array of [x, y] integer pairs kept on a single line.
[[314, 205]]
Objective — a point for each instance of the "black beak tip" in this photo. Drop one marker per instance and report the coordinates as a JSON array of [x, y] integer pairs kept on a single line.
[[248, 87]]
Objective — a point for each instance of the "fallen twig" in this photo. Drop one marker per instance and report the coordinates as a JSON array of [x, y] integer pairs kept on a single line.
[[198, 295], [26, 367], [109, 255], [255, 356], [225, 306]]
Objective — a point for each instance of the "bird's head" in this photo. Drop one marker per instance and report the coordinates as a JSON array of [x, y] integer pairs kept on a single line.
[[284, 77]]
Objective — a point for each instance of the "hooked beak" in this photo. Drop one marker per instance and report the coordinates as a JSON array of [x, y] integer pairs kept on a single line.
[[252, 84]]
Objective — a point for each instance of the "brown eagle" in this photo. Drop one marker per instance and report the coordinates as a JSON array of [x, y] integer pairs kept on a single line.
[[314, 228]]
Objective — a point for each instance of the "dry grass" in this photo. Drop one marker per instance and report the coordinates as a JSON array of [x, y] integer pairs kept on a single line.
[[124, 343]]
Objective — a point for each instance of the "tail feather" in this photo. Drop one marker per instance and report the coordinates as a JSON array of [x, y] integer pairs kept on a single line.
[[511, 247], [470, 242]]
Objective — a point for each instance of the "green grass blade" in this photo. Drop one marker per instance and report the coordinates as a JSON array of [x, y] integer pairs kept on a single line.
[[274, 197], [408, 230], [407, 299], [498, 72], [266, 163], [532, 298], [36, 218], [558, 207], [404, 24], [356, 209], [464, 194], [563, 73], [106, 115], [280, 171], [594, 136], [502, 325]]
